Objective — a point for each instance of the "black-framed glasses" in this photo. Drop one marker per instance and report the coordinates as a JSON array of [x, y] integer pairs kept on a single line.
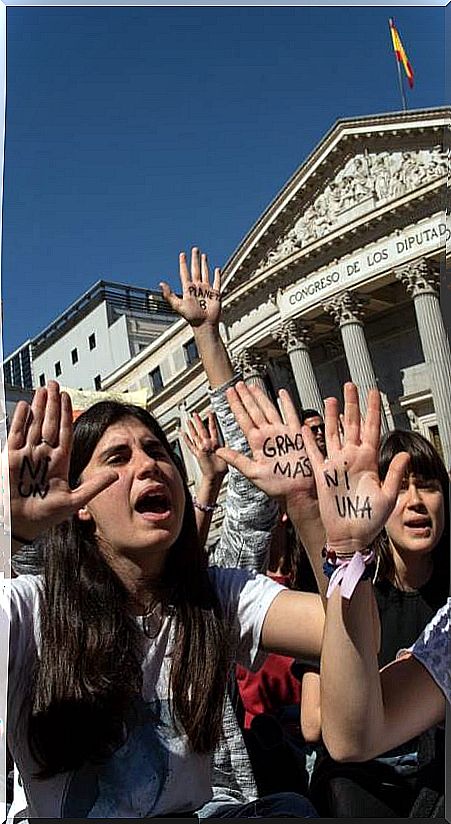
[[318, 427]]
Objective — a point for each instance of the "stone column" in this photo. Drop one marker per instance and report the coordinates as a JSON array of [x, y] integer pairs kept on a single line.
[[251, 364], [294, 335], [347, 309], [423, 285]]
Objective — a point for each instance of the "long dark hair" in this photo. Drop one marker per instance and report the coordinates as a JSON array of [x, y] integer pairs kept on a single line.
[[92, 645], [425, 462]]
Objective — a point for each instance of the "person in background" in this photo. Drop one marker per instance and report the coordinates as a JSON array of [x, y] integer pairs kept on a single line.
[[315, 422], [417, 566]]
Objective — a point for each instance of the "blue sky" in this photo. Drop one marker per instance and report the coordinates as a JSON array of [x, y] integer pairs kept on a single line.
[[133, 133]]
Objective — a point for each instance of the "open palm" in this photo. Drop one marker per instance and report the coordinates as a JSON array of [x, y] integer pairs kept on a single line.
[[353, 502], [279, 465], [200, 302], [39, 446]]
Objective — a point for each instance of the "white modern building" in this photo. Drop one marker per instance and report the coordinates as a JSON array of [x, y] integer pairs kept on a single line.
[[338, 279], [105, 328]]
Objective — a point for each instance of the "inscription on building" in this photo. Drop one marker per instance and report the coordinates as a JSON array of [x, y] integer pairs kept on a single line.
[[364, 265]]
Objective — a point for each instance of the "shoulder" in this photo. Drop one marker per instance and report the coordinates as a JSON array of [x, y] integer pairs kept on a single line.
[[433, 646], [20, 599], [239, 589]]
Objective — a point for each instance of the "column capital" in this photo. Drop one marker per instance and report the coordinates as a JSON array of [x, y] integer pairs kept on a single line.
[[419, 278], [293, 334], [250, 362], [346, 307]]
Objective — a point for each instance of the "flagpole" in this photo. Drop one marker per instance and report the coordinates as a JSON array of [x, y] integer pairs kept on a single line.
[[398, 66]]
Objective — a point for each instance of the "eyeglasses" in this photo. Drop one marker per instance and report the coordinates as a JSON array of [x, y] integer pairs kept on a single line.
[[318, 427]]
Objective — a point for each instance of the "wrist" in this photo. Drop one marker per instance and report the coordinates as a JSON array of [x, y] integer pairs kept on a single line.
[[348, 548], [208, 332]]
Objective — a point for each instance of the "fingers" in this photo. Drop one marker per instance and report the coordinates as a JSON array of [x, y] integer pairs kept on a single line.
[[352, 415], [270, 411], [315, 456], [213, 430], [217, 280], [289, 411], [18, 429], [251, 401], [205, 274], [195, 265], [66, 424], [90, 488], [242, 418], [185, 278], [51, 422], [189, 443], [396, 471], [371, 428], [239, 461], [170, 296], [331, 424], [38, 405]]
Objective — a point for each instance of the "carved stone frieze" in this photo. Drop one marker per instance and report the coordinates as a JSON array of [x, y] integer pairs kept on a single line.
[[419, 278], [346, 307], [362, 184]]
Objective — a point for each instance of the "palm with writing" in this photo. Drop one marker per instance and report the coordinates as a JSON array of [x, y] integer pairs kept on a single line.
[[203, 444], [39, 446], [279, 464], [354, 503], [200, 303]]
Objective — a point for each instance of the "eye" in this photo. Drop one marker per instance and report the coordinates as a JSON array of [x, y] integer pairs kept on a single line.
[[155, 451], [117, 458]]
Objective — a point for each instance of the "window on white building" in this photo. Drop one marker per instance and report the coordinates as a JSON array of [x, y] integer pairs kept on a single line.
[[156, 380], [92, 341], [74, 355], [42, 380], [57, 369], [97, 383], [191, 352]]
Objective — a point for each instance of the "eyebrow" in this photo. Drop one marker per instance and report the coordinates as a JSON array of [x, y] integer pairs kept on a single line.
[[123, 447]]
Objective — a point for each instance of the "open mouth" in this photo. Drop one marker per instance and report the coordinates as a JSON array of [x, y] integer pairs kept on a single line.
[[420, 524], [153, 505]]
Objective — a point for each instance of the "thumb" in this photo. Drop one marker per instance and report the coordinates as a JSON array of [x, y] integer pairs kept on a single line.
[[89, 489], [170, 296], [237, 460], [395, 474]]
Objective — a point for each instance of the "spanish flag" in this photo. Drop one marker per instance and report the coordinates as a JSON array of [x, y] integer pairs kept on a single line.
[[400, 53]]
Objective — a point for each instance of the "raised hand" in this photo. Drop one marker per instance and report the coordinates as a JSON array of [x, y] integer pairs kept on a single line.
[[203, 443], [200, 303], [353, 502], [279, 465], [39, 446]]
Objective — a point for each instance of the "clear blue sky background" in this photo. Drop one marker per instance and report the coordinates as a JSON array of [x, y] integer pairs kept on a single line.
[[133, 133]]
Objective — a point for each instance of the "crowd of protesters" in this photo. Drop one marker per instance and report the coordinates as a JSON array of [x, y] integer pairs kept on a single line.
[[298, 667]]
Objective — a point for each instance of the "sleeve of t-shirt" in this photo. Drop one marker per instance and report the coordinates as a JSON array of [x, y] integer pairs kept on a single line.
[[433, 649], [18, 611], [245, 597]]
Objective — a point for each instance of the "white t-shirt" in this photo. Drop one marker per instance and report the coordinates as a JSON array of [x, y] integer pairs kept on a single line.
[[154, 772]]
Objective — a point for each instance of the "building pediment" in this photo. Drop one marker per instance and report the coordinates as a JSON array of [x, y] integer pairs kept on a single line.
[[360, 167]]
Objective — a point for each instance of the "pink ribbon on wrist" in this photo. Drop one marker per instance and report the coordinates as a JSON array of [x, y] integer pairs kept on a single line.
[[349, 572]]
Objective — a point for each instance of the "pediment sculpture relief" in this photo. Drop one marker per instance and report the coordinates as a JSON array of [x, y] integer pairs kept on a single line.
[[364, 183]]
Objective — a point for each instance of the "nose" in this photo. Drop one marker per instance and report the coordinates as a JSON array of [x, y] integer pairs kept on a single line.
[[414, 496], [146, 465]]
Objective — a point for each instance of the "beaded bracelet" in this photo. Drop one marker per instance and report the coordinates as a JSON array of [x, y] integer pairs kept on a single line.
[[347, 570], [205, 507]]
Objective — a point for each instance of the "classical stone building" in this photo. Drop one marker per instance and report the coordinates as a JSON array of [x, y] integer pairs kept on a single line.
[[338, 279]]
